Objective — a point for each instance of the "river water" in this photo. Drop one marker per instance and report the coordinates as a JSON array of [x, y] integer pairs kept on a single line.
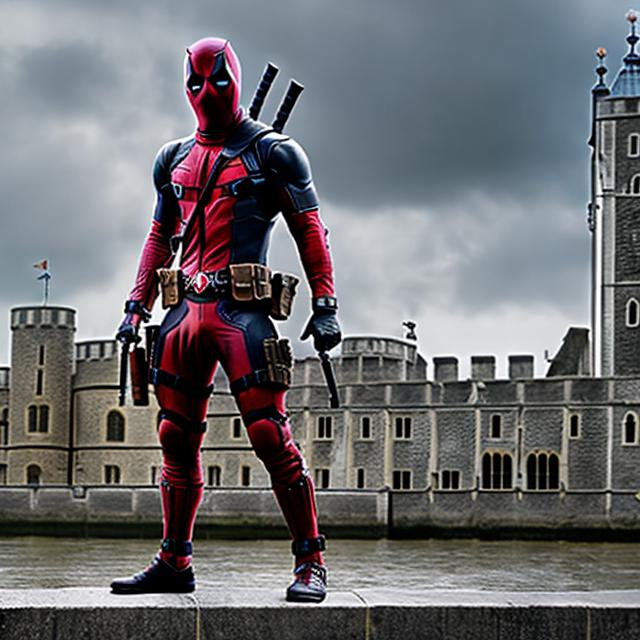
[[415, 564]]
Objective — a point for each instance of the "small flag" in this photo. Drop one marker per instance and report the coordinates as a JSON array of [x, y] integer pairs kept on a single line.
[[46, 276]]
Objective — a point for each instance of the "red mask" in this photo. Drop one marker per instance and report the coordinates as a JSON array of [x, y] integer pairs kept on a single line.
[[212, 83]]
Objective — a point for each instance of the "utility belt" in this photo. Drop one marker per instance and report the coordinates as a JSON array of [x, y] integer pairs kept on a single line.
[[248, 283]]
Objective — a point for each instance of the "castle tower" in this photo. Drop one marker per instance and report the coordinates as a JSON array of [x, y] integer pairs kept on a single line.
[[614, 216], [42, 365]]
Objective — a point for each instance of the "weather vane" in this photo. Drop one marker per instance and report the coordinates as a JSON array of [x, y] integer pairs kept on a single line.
[[411, 334]]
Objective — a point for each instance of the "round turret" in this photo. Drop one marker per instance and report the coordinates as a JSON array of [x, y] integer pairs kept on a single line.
[[42, 357]]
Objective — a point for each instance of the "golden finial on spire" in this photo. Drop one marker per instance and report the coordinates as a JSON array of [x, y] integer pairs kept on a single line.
[[601, 52], [631, 16]]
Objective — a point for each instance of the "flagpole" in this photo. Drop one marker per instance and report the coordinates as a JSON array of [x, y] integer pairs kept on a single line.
[[46, 276]]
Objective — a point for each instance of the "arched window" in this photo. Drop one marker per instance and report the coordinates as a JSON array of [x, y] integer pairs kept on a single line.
[[115, 426], [633, 149], [630, 428], [497, 470], [43, 422], [543, 471], [574, 425], [32, 419], [632, 315], [634, 185], [34, 474], [214, 476]]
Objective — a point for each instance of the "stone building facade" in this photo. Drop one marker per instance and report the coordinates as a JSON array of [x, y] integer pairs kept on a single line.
[[571, 432]]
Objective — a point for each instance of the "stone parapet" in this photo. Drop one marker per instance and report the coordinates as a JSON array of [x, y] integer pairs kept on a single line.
[[373, 614]]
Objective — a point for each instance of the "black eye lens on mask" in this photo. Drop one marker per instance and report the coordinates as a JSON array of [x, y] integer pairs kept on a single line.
[[194, 83]]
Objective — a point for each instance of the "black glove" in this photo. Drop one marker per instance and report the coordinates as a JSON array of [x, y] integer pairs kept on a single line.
[[134, 313], [323, 324]]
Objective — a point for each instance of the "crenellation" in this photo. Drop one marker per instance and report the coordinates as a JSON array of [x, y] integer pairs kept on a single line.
[[445, 369], [483, 367], [521, 367]]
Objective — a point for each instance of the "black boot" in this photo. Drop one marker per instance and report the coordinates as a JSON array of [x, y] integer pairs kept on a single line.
[[158, 577], [309, 584]]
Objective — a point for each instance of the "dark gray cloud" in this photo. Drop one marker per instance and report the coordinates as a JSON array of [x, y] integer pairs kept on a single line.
[[448, 142]]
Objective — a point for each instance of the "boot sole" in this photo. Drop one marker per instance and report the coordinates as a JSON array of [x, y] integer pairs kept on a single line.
[[298, 597], [125, 590]]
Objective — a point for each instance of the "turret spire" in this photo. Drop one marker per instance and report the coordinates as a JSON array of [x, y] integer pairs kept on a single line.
[[627, 82], [600, 88]]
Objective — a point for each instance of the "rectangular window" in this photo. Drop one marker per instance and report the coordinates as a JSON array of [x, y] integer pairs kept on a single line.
[[449, 480], [324, 428], [401, 479], [41, 355], [574, 425], [245, 476], [236, 428], [360, 478], [111, 474], [3, 474], [39, 381], [496, 426], [214, 475], [322, 478], [403, 428], [365, 428]]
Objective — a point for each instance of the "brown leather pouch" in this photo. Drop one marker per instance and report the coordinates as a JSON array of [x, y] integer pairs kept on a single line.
[[250, 282], [279, 356], [139, 377], [171, 287], [283, 290]]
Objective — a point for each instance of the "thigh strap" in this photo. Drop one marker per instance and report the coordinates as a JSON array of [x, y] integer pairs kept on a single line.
[[181, 421], [166, 379]]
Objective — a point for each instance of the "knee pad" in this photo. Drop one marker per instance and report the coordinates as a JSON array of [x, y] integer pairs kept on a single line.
[[271, 440]]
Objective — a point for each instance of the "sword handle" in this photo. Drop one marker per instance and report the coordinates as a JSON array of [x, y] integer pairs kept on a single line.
[[286, 106], [268, 76]]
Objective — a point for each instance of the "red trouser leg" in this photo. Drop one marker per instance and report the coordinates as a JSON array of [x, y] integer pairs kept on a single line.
[[185, 357], [239, 336], [181, 485], [292, 485]]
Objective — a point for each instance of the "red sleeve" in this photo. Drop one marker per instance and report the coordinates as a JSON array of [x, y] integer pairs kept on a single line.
[[310, 236], [156, 253]]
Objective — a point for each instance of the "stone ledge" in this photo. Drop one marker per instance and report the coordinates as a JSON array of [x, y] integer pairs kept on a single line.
[[368, 614]]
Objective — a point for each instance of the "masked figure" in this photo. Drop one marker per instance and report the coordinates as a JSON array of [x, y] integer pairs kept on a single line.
[[219, 192]]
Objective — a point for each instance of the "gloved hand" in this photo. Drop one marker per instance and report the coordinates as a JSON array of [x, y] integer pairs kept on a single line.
[[323, 324], [134, 313]]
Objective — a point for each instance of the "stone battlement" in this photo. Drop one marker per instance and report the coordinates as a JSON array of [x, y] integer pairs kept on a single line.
[[41, 316]]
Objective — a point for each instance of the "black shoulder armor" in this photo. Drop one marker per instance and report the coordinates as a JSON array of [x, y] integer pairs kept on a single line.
[[285, 160], [168, 158]]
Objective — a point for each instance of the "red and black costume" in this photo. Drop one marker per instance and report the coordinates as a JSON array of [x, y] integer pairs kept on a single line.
[[257, 174]]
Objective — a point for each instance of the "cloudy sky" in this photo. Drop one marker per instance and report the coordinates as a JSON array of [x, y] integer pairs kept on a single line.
[[448, 141]]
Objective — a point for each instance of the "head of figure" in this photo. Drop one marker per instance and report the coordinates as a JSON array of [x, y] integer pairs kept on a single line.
[[212, 83]]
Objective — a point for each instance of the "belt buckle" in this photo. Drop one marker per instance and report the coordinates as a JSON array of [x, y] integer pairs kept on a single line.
[[200, 282], [219, 280]]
